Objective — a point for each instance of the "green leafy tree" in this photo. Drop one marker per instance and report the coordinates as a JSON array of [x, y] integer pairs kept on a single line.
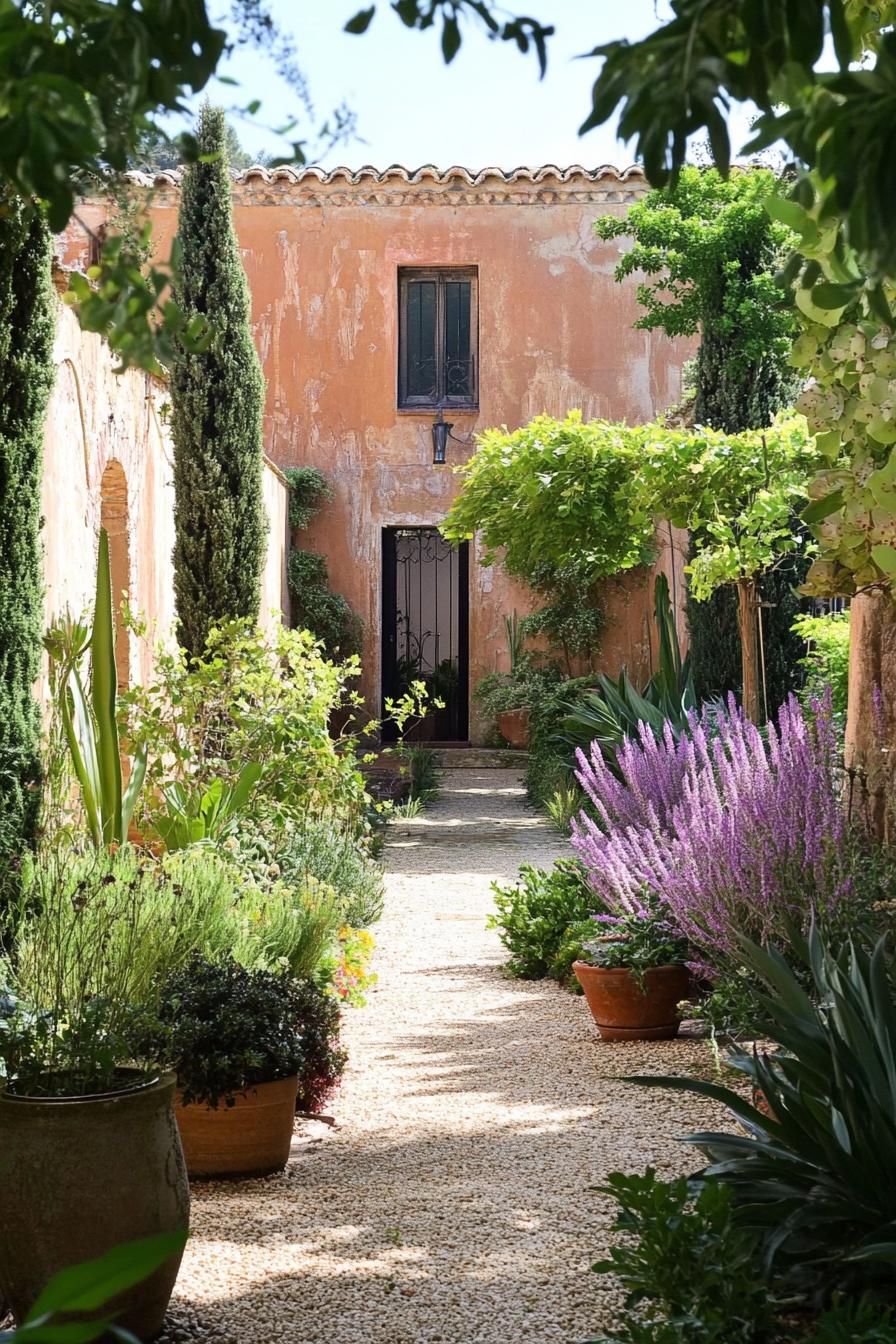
[[710, 251], [157, 152], [26, 375], [851, 400], [83, 84], [738, 494], [79, 82], [715, 647], [217, 398]]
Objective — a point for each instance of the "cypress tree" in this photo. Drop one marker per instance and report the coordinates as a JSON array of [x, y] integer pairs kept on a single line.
[[217, 398], [26, 376]]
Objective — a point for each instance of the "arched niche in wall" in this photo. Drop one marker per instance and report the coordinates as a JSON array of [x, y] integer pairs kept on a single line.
[[114, 518]]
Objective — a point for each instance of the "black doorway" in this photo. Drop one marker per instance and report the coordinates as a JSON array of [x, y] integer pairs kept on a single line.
[[426, 627]]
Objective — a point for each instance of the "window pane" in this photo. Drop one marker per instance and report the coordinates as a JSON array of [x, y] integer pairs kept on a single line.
[[421, 339], [458, 371]]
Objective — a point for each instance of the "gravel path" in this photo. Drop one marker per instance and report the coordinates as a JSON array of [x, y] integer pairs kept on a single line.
[[450, 1202]]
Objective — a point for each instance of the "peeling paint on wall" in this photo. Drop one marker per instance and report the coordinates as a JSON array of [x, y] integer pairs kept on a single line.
[[107, 453], [322, 252]]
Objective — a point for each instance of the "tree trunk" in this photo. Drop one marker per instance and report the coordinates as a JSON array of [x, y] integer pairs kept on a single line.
[[747, 607], [871, 721]]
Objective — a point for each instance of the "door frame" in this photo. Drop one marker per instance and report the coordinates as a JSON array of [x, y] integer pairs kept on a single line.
[[389, 633]]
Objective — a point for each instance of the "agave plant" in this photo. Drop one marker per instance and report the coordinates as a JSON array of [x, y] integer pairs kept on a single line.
[[516, 640], [815, 1176], [90, 721], [198, 816], [614, 710]]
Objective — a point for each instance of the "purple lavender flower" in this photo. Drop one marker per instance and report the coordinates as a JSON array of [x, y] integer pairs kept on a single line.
[[735, 833]]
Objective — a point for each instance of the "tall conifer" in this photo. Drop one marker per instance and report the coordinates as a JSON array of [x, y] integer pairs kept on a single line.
[[217, 405], [26, 376]]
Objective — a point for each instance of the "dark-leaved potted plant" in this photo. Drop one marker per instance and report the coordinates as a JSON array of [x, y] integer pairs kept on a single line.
[[635, 977], [234, 1037]]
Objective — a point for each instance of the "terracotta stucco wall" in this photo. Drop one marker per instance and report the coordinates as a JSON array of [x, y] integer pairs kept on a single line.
[[322, 253], [107, 458]]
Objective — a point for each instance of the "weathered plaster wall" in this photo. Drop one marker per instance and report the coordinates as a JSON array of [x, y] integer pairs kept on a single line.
[[322, 253], [107, 457]]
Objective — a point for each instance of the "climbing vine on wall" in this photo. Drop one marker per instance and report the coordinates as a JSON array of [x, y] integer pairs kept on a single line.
[[315, 606]]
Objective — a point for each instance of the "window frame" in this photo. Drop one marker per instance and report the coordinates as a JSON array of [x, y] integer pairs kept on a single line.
[[440, 275]]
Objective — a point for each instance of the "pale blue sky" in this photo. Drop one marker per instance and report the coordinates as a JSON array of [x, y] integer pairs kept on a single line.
[[488, 108]]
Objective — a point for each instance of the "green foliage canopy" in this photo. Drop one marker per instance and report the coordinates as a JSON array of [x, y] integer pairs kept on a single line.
[[739, 492], [680, 80], [78, 80], [558, 497], [582, 498], [710, 251]]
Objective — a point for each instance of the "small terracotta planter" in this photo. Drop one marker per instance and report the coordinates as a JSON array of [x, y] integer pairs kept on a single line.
[[624, 1011], [513, 725], [154, 846], [249, 1138]]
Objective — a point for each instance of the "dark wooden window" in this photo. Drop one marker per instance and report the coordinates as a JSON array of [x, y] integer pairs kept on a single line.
[[437, 338]]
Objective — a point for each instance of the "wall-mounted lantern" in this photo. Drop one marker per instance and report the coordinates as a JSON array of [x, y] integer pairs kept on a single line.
[[441, 433]]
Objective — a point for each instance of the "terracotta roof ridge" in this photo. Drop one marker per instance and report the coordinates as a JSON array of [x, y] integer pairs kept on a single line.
[[410, 176]]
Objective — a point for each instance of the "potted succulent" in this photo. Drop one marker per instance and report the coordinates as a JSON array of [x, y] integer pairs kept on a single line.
[[234, 1038], [90, 1152], [635, 978]]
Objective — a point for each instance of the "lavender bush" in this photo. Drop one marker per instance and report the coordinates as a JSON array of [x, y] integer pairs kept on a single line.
[[735, 834]]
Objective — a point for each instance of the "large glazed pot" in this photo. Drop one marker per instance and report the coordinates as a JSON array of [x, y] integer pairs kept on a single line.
[[630, 1008], [249, 1138], [82, 1175], [513, 725]]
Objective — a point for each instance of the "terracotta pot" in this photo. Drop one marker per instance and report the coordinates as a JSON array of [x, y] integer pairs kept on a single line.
[[624, 1011], [513, 725], [82, 1175], [249, 1138], [154, 846]]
